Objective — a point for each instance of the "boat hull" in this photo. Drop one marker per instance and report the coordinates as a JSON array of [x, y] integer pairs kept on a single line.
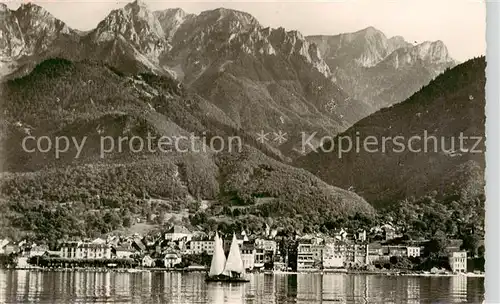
[[224, 279]]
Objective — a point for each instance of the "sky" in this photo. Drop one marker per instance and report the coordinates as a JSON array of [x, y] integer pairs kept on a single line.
[[460, 24]]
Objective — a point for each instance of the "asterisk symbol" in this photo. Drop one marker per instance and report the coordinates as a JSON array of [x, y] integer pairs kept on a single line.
[[262, 137], [280, 137]]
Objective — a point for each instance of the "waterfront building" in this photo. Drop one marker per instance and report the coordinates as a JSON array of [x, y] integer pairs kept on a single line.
[[147, 261], [200, 246], [69, 250], [374, 252], [3, 244], [267, 245], [99, 241], [309, 254], [81, 250], [122, 252], [360, 235], [38, 250], [171, 259], [340, 234], [413, 251], [356, 254], [332, 259], [458, 261], [248, 255], [397, 251]]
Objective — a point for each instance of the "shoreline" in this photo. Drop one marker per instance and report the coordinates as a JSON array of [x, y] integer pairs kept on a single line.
[[336, 271]]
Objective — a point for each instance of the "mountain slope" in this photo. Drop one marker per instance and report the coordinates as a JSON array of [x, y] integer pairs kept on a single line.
[[380, 70], [451, 105], [90, 100], [272, 75], [265, 79]]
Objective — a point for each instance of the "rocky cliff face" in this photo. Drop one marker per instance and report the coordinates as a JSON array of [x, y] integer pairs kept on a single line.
[[29, 31], [171, 19], [135, 24], [381, 70]]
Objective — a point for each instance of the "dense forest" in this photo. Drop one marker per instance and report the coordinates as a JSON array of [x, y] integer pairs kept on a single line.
[[68, 198]]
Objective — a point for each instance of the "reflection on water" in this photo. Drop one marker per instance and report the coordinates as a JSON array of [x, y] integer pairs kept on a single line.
[[20, 286]]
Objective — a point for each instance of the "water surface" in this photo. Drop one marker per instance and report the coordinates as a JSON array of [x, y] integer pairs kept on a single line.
[[22, 286]]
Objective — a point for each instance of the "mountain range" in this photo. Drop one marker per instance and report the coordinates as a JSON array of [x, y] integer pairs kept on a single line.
[[265, 79], [380, 70], [218, 74]]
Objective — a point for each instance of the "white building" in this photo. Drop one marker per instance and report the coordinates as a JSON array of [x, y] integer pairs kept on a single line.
[[3, 243], [171, 259], [80, 250], [267, 245], [200, 246], [248, 255], [178, 232], [38, 250], [341, 234], [413, 251], [309, 255], [147, 261], [122, 252], [458, 261], [331, 258]]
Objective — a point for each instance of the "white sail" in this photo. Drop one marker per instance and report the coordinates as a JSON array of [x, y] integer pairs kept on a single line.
[[234, 261], [218, 259]]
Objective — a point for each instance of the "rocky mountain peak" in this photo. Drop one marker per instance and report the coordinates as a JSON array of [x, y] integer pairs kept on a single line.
[[136, 24], [30, 13], [138, 3], [428, 53], [29, 29], [213, 30], [170, 20], [229, 19], [369, 32], [435, 51]]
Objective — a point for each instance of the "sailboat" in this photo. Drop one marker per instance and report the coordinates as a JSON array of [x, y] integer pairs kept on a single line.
[[230, 270]]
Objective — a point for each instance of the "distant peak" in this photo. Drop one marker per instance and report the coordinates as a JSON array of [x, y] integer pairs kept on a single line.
[[171, 12], [370, 31], [225, 12], [3, 7], [236, 18], [30, 6], [139, 3]]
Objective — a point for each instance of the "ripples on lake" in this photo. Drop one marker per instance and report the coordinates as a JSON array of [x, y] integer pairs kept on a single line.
[[19, 286]]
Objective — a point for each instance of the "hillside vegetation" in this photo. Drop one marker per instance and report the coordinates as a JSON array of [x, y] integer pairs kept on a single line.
[[67, 196], [451, 105]]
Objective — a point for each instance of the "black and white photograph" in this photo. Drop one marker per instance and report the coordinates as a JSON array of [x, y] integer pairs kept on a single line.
[[243, 151]]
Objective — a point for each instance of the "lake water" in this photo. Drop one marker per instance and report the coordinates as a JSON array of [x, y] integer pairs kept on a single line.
[[22, 286]]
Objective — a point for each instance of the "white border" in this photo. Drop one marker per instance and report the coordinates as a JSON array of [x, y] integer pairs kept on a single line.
[[492, 266]]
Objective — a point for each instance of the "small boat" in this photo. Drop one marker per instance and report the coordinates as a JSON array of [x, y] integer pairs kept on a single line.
[[230, 270], [132, 270]]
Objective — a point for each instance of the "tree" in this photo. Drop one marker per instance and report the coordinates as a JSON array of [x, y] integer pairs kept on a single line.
[[471, 243], [481, 250], [437, 244], [127, 222]]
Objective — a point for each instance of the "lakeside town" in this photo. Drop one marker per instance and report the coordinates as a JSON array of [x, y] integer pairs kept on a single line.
[[381, 249]]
